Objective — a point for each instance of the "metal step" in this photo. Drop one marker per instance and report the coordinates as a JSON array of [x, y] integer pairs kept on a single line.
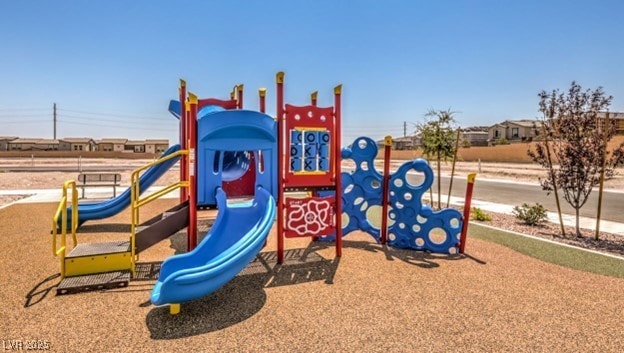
[[93, 258], [93, 249], [99, 281]]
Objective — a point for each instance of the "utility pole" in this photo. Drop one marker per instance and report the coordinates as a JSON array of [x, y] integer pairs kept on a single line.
[[405, 129], [54, 110]]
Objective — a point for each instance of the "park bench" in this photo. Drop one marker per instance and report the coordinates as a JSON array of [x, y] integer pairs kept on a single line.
[[97, 179]]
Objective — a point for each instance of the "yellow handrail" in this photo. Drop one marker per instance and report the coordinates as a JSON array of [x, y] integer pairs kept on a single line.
[[61, 211], [136, 202]]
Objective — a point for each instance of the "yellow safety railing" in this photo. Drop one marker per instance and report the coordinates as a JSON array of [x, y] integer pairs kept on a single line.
[[61, 212], [136, 202]]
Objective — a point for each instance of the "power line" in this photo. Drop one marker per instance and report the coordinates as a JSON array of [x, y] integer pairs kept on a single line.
[[24, 121], [24, 116], [23, 109], [119, 122], [120, 115], [112, 126]]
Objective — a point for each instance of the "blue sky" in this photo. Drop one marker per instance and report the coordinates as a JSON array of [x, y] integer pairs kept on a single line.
[[112, 66]]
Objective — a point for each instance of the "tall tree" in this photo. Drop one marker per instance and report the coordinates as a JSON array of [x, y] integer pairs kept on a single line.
[[575, 133], [437, 136]]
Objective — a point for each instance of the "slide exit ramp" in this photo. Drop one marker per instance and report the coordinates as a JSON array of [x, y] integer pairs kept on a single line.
[[237, 236]]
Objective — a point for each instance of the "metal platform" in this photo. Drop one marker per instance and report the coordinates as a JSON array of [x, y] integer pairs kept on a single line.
[[92, 249], [78, 284]]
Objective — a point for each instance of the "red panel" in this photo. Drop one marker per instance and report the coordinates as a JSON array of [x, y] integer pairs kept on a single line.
[[225, 104], [312, 216], [245, 185], [302, 117]]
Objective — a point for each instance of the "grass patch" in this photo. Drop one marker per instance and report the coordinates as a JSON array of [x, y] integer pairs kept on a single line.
[[552, 253]]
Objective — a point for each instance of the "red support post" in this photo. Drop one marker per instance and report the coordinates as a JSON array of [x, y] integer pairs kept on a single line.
[[183, 145], [239, 96], [385, 191], [313, 98], [467, 201], [338, 168], [262, 94], [279, 78], [192, 138]]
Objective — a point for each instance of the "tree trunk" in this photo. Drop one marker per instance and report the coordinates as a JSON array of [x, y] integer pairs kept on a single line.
[[578, 228], [439, 183]]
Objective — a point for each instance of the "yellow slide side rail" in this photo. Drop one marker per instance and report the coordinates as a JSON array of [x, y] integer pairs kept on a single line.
[[61, 212], [135, 192]]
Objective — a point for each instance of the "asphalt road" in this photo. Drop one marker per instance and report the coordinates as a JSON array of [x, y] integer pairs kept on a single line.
[[517, 194], [491, 191]]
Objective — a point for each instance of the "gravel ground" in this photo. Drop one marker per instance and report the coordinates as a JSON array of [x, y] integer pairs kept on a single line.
[[372, 300]]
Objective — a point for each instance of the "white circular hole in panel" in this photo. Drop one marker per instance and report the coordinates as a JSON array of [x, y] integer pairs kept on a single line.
[[364, 206], [420, 242], [362, 144], [421, 219], [375, 184], [416, 228], [407, 196], [345, 219], [402, 225], [399, 205], [373, 215], [437, 235], [398, 183], [358, 201], [391, 236], [364, 166], [348, 189], [452, 250]]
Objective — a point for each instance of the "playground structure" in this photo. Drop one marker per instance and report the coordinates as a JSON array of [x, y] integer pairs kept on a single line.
[[226, 151]]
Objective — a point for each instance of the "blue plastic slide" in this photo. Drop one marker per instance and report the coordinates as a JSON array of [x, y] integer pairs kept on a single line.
[[234, 240], [108, 208]]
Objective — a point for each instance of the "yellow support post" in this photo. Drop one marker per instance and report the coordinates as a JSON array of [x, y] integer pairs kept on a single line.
[[174, 309]]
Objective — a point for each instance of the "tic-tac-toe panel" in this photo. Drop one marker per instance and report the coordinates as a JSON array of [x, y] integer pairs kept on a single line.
[[309, 138]]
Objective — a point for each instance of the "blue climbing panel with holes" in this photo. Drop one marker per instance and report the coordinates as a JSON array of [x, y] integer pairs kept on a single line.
[[411, 224]]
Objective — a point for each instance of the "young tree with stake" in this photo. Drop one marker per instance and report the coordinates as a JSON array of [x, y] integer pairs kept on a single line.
[[576, 141]]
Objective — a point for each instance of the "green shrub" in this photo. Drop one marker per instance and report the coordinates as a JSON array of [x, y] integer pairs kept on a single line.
[[531, 215], [501, 141], [480, 215]]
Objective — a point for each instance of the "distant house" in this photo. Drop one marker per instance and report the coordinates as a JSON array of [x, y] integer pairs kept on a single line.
[[615, 119], [405, 143], [514, 130], [401, 143], [22, 144], [4, 142], [135, 146], [77, 144], [474, 136], [46, 145], [111, 145], [156, 146]]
